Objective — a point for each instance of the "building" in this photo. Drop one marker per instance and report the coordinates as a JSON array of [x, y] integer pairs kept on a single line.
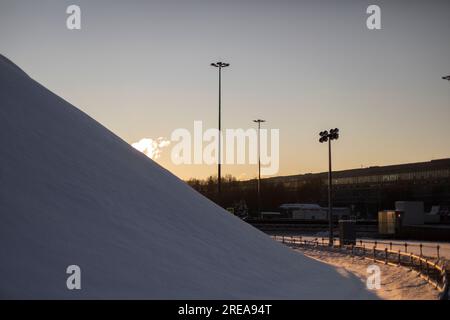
[[310, 212], [370, 190]]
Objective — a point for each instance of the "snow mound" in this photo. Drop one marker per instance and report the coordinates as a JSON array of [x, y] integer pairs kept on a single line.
[[72, 192], [8, 64]]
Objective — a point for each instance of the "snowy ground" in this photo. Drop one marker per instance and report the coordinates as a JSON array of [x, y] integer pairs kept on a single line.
[[397, 283]]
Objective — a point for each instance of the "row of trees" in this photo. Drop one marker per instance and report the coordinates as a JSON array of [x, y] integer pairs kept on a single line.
[[273, 194], [364, 200]]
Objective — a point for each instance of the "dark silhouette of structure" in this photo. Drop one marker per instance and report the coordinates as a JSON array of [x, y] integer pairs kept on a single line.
[[365, 191], [220, 65], [326, 136], [259, 121], [369, 190]]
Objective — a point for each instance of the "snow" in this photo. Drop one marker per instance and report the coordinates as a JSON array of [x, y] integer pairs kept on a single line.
[[397, 283], [72, 192]]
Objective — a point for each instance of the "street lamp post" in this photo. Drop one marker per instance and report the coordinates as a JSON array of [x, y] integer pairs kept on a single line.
[[259, 121], [220, 65], [326, 136]]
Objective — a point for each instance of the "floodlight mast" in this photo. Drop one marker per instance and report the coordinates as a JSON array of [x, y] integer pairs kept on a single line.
[[326, 136], [259, 121], [220, 65]]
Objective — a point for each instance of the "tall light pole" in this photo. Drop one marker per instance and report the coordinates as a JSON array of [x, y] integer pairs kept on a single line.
[[259, 121], [446, 78], [220, 65], [326, 136]]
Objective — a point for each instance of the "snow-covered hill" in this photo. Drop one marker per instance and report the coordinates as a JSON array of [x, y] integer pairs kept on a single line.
[[72, 192]]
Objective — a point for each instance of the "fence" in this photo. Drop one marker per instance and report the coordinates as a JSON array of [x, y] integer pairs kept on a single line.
[[431, 270], [433, 251]]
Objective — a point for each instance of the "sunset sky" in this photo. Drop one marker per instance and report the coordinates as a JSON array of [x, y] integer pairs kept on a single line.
[[141, 68]]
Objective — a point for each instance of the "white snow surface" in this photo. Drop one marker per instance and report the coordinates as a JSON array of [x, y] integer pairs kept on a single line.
[[72, 192]]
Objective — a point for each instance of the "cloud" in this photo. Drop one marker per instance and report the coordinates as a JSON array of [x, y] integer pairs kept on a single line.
[[151, 148]]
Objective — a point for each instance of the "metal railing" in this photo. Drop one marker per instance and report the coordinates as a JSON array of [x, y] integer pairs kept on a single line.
[[432, 270], [406, 246]]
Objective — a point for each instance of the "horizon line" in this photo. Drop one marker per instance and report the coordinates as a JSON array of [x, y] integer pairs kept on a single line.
[[326, 172]]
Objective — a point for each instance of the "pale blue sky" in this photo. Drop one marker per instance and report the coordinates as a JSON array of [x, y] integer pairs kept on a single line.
[[141, 68]]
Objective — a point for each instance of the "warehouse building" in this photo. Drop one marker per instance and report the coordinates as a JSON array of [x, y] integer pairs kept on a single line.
[[367, 191]]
